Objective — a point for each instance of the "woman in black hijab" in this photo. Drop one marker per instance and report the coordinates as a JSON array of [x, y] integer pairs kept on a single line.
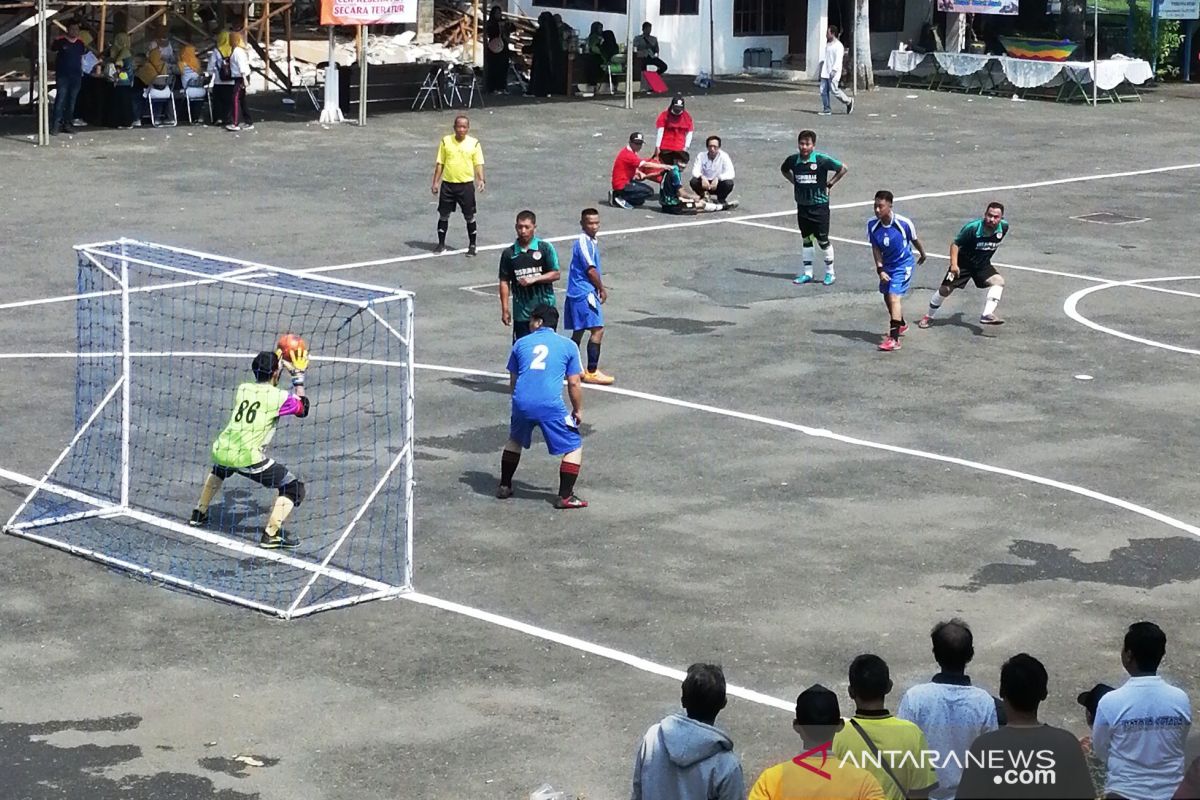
[[544, 78], [495, 55]]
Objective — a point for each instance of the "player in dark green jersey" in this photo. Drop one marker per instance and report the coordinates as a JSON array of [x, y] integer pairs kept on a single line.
[[971, 260], [257, 408], [808, 172]]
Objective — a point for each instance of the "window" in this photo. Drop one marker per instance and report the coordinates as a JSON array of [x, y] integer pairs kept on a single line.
[[675, 7], [760, 17], [601, 6], [887, 16]]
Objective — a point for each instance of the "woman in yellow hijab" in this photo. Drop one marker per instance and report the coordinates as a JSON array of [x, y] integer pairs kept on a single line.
[[152, 67], [122, 106], [189, 64], [222, 91]]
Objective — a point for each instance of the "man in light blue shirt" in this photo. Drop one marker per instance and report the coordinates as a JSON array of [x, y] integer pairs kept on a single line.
[[1142, 727]]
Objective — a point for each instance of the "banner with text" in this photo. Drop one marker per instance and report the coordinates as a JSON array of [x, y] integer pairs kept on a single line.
[[978, 6], [368, 12]]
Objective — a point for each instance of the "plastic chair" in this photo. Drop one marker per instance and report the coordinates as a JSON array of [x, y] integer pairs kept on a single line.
[[431, 89], [160, 92], [200, 91]]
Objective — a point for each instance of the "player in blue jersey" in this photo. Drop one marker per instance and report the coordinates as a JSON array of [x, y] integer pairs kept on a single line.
[[971, 260], [537, 366], [585, 295], [892, 239]]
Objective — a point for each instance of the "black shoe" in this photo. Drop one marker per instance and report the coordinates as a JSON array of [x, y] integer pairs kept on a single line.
[[68, 129], [471, 251], [280, 541], [850, 107], [441, 248], [504, 492], [198, 518]]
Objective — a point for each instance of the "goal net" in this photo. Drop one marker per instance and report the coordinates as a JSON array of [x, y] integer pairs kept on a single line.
[[165, 336]]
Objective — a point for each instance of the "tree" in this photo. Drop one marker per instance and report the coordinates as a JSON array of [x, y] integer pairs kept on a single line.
[[862, 45]]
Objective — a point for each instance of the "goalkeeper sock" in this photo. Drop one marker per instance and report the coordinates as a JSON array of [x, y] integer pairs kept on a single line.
[[593, 356], [443, 226], [567, 475], [472, 230], [279, 512], [508, 466], [212, 485]]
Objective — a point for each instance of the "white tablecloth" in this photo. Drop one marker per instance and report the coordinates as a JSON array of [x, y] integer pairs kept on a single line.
[[1026, 73]]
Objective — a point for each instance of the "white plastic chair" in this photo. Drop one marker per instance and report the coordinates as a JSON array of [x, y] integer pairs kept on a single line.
[[160, 92], [200, 91]]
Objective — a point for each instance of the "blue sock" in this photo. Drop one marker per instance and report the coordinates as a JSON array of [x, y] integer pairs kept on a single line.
[[593, 354]]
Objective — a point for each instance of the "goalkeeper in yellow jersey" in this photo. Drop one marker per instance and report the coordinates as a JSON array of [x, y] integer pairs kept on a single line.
[[257, 408]]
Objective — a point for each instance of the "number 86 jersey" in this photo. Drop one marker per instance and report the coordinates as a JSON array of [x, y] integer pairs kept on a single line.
[[256, 411]]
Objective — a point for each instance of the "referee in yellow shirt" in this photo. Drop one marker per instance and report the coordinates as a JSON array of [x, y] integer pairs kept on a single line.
[[456, 174]]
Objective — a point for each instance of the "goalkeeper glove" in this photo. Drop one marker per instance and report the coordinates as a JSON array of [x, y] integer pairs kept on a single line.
[[299, 359]]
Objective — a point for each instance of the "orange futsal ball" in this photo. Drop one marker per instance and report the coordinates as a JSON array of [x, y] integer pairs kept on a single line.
[[289, 343]]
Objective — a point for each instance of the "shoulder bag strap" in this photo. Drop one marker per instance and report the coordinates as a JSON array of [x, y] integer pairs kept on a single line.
[[875, 752]]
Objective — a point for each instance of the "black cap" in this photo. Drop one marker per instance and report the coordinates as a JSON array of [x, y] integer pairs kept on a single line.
[[817, 705], [265, 364], [677, 104], [547, 314], [636, 138], [1091, 698]]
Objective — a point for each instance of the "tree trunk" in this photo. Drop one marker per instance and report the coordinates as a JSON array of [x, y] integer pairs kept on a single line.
[[862, 45]]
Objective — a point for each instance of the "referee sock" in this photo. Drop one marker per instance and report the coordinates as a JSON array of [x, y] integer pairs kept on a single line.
[[935, 302], [808, 258], [443, 226], [508, 466], [472, 230], [993, 300], [593, 354], [567, 475]]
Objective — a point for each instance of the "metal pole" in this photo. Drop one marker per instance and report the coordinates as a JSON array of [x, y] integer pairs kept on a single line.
[[1154, 37], [712, 47], [1095, 51], [43, 81], [474, 33], [854, 53], [629, 54], [362, 75]]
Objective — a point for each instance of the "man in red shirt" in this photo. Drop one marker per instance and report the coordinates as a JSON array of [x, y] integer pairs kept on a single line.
[[675, 131], [628, 188]]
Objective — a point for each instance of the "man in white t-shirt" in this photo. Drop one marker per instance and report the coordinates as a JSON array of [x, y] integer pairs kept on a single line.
[[949, 710], [831, 72], [1142, 727], [712, 174]]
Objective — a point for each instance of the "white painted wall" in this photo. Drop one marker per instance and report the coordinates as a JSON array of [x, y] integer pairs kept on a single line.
[[682, 39]]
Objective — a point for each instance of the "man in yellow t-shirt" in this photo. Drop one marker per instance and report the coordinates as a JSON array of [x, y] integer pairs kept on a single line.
[[816, 774], [457, 172], [900, 744]]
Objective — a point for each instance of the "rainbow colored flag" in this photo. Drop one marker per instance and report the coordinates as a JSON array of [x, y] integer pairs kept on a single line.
[[1038, 49]]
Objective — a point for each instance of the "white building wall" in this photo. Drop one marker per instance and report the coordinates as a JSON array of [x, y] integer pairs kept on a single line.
[[682, 39]]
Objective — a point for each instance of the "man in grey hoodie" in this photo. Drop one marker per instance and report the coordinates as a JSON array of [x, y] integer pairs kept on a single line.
[[686, 757]]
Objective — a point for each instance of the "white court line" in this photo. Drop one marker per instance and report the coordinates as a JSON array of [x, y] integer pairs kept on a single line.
[[1071, 310]]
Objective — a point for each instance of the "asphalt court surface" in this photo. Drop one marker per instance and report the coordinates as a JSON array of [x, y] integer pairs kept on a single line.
[[779, 552]]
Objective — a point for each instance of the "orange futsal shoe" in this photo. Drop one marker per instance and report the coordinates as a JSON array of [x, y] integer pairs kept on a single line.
[[598, 377]]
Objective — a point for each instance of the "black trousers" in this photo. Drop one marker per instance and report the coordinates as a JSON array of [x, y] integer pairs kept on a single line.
[[723, 190]]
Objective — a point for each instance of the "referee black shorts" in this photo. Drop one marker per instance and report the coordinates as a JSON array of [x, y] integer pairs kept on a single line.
[[457, 195], [813, 221], [981, 276]]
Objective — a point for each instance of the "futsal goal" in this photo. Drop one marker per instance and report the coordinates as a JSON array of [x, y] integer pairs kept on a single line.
[[165, 335]]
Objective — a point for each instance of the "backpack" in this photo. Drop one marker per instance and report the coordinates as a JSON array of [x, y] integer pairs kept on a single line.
[[224, 70]]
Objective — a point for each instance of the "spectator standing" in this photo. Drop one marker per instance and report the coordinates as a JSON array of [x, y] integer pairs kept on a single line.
[[904, 772], [816, 774], [1141, 727], [712, 172], [69, 51], [675, 129], [495, 57], [948, 709], [93, 88], [685, 756], [220, 68], [996, 759], [1096, 767], [645, 47], [239, 70], [457, 174], [831, 72], [545, 78], [628, 188]]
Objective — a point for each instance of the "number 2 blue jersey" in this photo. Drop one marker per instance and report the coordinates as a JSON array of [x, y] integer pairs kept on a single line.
[[542, 361], [894, 241]]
